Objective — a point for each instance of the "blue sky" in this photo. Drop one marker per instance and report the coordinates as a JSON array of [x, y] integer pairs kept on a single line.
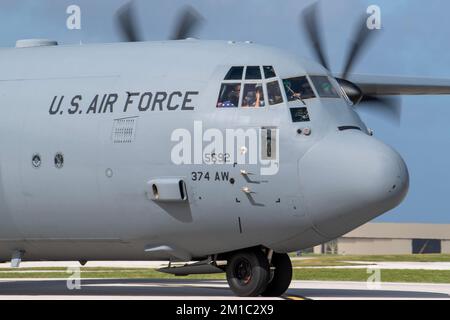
[[414, 42]]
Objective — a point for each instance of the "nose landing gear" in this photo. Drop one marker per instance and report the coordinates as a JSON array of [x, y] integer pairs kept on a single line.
[[249, 273]]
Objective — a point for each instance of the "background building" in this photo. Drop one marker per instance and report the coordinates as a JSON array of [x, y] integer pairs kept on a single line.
[[391, 238]]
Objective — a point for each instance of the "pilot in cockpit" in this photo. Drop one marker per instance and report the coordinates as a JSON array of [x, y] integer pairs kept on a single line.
[[232, 97], [253, 96]]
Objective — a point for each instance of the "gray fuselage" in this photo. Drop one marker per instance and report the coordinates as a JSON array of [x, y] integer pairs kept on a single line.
[[98, 204]]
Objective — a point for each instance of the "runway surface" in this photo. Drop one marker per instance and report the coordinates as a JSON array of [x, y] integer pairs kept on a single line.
[[209, 290]]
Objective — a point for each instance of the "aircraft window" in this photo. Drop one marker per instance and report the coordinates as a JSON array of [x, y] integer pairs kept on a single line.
[[324, 87], [269, 72], [253, 95], [229, 95], [299, 114], [298, 89], [235, 73], [274, 93], [253, 73]]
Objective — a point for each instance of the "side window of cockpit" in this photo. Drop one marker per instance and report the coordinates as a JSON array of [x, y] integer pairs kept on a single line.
[[253, 73], [274, 93], [324, 87], [253, 95], [298, 89], [229, 95], [235, 73], [269, 72]]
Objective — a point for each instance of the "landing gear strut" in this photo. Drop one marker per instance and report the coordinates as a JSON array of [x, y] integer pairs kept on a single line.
[[249, 273]]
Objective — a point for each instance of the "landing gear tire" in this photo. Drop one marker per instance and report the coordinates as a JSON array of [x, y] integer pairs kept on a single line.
[[248, 273], [281, 277]]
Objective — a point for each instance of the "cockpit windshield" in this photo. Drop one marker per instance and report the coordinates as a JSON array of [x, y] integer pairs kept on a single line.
[[298, 89], [324, 87]]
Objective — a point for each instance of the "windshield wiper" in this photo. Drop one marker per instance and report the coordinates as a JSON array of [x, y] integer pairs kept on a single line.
[[296, 96]]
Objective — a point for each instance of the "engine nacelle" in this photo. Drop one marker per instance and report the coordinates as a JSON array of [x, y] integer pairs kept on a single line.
[[352, 91]]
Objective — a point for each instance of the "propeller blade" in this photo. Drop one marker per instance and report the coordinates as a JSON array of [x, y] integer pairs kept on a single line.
[[389, 108], [126, 22], [309, 19], [360, 42], [187, 22]]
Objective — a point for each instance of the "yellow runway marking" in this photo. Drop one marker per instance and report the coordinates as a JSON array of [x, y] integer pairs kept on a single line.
[[295, 298]]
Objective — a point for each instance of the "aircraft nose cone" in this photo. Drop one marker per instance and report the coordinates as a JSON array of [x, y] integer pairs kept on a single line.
[[348, 179]]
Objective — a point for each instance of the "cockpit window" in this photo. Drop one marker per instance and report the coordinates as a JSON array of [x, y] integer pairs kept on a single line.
[[229, 95], [324, 87], [235, 73], [269, 72], [253, 95], [253, 73], [298, 89], [274, 93]]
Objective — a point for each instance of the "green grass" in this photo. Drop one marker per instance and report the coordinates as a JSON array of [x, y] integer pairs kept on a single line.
[[343, 260], [319, 274], [387, 275], [400, 258], [63, 269], [320, 263]]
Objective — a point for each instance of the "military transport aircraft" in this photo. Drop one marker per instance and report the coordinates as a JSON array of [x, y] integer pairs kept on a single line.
[[114, 152]]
